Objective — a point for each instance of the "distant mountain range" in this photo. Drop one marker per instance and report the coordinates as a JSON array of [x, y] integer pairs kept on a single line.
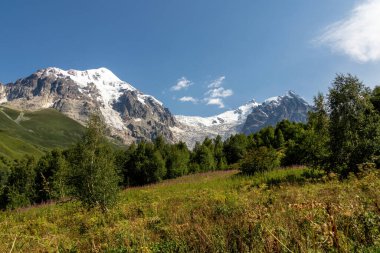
[[248, 118], [132, 115]]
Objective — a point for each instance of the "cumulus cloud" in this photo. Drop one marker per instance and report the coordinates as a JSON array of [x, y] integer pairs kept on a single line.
[[216, 93], [213, 96], [357, 35], [217, 82], [219, 93], [215, 101], [188, 99], [182, 83]]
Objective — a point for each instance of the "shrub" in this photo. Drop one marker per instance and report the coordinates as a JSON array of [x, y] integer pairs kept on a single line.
[[259, 160]]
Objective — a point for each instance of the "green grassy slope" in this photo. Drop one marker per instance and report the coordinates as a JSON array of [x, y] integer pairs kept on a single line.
[[33, 132], [278, 211]]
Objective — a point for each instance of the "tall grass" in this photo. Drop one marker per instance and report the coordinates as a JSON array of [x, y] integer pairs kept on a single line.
[[285, 210]]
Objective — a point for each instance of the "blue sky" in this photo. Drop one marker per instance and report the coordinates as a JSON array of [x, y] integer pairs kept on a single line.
[[199, 57]]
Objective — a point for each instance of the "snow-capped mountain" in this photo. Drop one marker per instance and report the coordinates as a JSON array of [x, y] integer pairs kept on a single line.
[[273, 110], [193, 128], [248, 118], [130, 114]]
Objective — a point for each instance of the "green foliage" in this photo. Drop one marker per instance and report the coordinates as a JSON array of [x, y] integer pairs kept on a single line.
[[52, 174], [177, 161], [294, 153], [235, 148], [375, 98], [145, 165], [93, 175], [20, 189], [259, 160], [220, 158], [354, 126], [316, 141], [280, 140], [202, 157]]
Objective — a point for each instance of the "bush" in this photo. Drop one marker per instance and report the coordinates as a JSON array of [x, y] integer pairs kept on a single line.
[[259, 160]]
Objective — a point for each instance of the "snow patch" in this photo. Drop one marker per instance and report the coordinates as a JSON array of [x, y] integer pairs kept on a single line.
[[273, 99], [3, 100], [176, 129], [237, 116], [141, 99]]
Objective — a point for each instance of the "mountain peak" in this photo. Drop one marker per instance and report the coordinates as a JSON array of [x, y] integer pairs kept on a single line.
[[82, 76], [129, 113], [278, 99]]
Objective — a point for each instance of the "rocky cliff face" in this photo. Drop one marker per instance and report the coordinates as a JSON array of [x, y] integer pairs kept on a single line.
[[291, 107], [130, 114]]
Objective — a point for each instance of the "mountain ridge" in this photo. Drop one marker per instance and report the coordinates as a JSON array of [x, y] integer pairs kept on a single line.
[[130, 114], [134, 116], [248, 118]]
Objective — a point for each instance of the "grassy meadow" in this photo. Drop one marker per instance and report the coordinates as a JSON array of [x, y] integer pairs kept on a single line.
[[32, 133], [285, 210]]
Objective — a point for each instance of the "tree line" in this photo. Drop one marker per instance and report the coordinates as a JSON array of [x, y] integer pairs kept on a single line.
[[342, 135]]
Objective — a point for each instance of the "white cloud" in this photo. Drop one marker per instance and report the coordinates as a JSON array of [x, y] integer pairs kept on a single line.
[[217, 82], [219, 92], [188, 99], [215, 101], [358, 35], [182, 83], [216, 93], [214, 96]]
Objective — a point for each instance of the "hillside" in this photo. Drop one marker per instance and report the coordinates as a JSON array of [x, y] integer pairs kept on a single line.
[[25, 132], [279, 211]]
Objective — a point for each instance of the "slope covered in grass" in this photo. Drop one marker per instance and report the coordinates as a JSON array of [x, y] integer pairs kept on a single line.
[[278, 211], [33, 132]]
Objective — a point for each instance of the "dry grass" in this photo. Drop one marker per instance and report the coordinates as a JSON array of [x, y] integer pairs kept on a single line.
[[280, 211]]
